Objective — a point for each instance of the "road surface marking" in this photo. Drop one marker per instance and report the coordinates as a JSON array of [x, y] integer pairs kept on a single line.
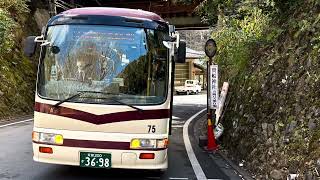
[[177, 126], [27, 120], [175, 117], [192, 157], [178, 178], [178, 122]]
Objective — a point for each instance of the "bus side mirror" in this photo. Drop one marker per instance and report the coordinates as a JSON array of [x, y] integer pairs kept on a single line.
[[181, 54], [29, 46]]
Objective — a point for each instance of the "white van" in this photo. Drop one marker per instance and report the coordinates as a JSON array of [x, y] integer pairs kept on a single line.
[[190, 87]]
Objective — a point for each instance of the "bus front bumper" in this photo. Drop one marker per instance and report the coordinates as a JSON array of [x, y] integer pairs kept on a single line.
[[126, 159]]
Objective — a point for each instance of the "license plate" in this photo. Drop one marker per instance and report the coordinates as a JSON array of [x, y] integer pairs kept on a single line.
[[95, 160]]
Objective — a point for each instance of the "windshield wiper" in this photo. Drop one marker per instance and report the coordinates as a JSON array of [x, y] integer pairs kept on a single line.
[[68, 99], [115, 100], [75, 96]]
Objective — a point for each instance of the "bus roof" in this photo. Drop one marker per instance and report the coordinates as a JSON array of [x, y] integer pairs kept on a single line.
[[107, 11]]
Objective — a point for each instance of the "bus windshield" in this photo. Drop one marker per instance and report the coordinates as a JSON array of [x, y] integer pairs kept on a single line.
[[125, 63]]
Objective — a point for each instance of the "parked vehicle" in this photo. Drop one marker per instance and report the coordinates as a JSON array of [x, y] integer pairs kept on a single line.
[[190, 87]]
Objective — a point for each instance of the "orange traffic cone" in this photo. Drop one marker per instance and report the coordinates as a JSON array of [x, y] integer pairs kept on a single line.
[[211, 146]]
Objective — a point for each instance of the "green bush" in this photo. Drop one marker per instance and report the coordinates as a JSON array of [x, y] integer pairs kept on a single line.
[[15, 7], [236, 38], [7, 26], [17, 73], [12, 13]]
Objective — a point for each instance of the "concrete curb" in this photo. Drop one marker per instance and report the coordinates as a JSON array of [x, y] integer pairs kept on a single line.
[[240, 171], [243, 174]]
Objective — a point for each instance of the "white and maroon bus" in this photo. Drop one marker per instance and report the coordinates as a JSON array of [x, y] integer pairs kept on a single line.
[[104, 88]]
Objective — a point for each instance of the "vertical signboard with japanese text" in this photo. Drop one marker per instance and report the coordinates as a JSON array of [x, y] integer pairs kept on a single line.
[[214, 91]]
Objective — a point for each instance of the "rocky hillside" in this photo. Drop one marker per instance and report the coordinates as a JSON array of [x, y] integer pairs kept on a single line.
[[195, 39], [272, 60], [17, 73]]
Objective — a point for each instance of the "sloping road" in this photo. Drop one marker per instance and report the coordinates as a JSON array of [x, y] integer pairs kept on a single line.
[[16, 154]]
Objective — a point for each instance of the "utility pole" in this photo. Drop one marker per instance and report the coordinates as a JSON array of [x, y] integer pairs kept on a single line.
[[210, 50], [209, 85]]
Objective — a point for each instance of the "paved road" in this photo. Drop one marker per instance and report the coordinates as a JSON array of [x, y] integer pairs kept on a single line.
[[16, 154]]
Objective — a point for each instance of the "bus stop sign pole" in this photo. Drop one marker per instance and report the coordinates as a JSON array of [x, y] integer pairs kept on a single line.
[[210, 50]]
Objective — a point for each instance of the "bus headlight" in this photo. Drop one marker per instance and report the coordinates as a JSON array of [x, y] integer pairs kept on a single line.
[[47, 138], [162, 143], [148, 143]]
